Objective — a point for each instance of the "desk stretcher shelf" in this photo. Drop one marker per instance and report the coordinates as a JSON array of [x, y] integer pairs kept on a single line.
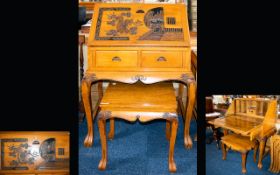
[[142, 102]]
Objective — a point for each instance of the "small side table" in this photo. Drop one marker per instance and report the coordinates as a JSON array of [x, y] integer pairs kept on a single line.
[[141, 102], [275, 154]]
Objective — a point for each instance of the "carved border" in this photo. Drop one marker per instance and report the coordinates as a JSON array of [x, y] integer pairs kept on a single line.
[[104, 115], [139, 78], [187, 79], [89, 78], [170, 116]]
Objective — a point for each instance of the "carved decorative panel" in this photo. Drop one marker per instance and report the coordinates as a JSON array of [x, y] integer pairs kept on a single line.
[[28, 152]]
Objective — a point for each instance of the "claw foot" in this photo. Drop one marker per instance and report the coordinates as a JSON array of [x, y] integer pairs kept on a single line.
[[260, 166], [102, 164], [88, 140], [172, 166], [188, 142]]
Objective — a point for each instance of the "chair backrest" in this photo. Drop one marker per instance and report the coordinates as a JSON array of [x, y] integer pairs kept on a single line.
[[209, 105], [82, 15]]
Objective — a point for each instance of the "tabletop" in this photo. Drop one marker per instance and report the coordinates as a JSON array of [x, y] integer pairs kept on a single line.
[[238, 123]]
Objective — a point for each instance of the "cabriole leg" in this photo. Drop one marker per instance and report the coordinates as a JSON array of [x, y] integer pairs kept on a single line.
[[174, 126], [86, 97], [190, 106], [102, 132]]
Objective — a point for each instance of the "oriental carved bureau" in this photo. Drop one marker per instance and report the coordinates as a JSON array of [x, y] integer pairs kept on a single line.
[[34, 153], [149, 43], [251, 118]]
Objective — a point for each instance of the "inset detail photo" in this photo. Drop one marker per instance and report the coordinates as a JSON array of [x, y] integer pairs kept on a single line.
[[34, 152], [242, 134]]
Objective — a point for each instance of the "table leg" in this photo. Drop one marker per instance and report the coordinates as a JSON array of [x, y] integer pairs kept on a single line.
[[180, 100], [81, 111], [86, 96], [262, 149], [112, 120], [224, 151], [168, 130], [189, 109], [112, 129], [81, 105], [102, 132], [256, 150], [174, 126], [81, 43], [225, 132], [244, 157], [217, 136], [100, 89]]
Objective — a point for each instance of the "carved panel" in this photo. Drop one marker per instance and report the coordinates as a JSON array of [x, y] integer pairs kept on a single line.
[[27, 152], [16, 154], [115, 20], [127, 23], [154, 20], [47, 150]]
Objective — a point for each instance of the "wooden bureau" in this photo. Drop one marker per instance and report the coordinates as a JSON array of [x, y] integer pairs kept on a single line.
[[149, 43], [34, 153], [254, 118]]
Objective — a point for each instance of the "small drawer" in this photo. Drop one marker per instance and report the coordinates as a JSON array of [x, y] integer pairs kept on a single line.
[[162, 59], [116, 58]]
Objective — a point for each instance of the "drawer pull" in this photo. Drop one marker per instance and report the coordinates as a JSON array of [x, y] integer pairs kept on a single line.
[[161, 59], [115, 59]]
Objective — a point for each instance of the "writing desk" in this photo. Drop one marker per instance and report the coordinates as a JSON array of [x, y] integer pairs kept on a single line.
[[254, 118], [149, 43]]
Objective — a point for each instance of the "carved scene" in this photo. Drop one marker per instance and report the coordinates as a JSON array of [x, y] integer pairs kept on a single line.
[[19, 154], [123, 23], [154, 20]]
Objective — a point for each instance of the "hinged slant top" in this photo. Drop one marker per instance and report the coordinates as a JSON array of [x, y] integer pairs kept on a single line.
[[139, 25]]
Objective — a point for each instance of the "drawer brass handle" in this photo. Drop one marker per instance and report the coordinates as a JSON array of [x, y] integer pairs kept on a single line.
[[161, 59], [116, 59]]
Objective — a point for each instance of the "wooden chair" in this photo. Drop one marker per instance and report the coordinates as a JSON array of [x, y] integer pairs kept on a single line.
[[81, 105], [241, 144], [211, 114]]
